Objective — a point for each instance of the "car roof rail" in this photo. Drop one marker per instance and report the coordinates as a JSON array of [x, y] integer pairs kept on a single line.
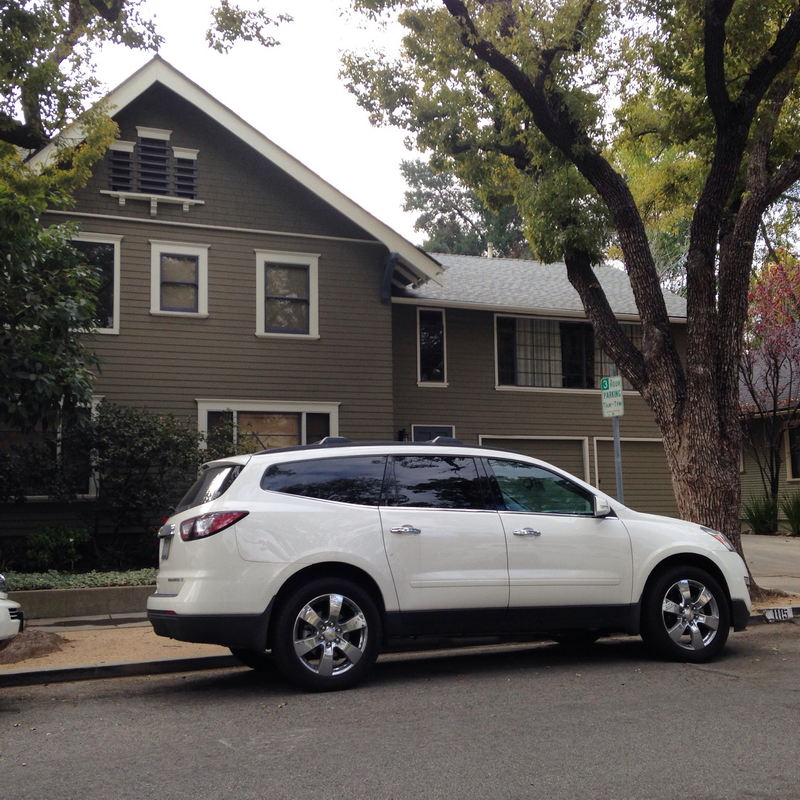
[[448, 440], [333, 441]]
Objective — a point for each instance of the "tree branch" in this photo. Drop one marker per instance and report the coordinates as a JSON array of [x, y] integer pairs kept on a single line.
[[715, 15]]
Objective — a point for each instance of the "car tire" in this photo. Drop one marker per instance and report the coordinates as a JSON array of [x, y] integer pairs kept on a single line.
[[326, 635], [685, 615], [259, 661]]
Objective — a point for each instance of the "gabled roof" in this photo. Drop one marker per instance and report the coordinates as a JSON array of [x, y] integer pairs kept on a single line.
[[414, 264], [526, 287]]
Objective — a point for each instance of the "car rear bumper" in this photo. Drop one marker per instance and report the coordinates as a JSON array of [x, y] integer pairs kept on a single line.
[[245, 631]]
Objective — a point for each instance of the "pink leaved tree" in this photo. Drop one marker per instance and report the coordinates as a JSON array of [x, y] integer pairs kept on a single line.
[[770, 368]]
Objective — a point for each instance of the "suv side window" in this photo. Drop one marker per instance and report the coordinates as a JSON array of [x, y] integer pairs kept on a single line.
[[429, 481], [352, 479], [525, 487]]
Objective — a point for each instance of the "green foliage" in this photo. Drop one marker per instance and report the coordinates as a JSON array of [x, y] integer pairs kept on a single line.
[[760, 512], [47, 298], [47, 49], [790, 506], [56, 548], [232, 23], [52, 579], [143, 464], [138, 463], [456, 220]]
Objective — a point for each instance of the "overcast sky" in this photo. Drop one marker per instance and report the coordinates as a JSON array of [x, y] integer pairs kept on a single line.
[[291, 93]]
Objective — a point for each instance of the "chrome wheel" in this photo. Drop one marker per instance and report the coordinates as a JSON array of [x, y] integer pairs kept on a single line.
[[690, 614], [330, 635], [685, 615]]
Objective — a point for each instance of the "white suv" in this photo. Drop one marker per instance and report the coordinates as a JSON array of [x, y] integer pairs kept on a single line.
[[320, 555], [11, 617]]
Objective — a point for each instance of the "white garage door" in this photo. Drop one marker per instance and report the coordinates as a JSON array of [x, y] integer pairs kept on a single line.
[[645, 478]]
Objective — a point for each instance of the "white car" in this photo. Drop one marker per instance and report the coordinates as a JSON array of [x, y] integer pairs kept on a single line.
[[320, 555], [11, 617]]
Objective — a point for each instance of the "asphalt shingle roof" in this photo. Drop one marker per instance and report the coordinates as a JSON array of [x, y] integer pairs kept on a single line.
[[520, 285]]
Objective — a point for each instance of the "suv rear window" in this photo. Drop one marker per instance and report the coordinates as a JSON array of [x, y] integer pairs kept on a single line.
[[352, 479], [213, 482]]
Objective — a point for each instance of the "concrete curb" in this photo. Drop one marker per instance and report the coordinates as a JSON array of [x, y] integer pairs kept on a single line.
[[122, 670], [162, 667]]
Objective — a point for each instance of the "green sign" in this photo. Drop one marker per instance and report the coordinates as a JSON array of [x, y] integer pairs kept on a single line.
[[611, 392]]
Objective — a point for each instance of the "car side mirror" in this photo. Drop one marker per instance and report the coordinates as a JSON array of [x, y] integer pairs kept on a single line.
[[601, 506]]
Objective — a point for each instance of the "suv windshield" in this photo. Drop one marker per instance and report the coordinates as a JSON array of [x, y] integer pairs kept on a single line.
[[213, 482]]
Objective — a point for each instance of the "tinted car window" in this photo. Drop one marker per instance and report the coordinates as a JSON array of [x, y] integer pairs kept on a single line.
[[436, 482], [213, 482], [354, 479], [528, 488]]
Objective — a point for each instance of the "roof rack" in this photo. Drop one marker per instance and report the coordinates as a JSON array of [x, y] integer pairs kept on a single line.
[[448, 440], [333, 441]]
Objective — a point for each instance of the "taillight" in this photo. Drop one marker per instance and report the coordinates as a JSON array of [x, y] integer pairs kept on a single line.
[[209, 524]]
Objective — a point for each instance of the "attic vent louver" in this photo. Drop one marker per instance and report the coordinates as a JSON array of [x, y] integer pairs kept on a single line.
[[153, 166]]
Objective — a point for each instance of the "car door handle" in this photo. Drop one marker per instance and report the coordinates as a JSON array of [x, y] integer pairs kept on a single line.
[[405, 529], [526, 532]]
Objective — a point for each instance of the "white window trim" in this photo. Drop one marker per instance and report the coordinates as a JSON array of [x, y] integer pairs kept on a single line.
[[159, 247], [443, 384], [310, 260], [113, 239], [188, 153], [144, 132], [204, 405]]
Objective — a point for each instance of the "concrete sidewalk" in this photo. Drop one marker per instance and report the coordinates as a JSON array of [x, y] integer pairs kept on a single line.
[[111, 645]]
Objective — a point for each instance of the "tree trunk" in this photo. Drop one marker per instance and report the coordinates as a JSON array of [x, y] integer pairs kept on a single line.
[[704, 465]]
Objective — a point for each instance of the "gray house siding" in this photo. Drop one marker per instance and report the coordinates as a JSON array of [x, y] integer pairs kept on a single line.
[[167, 363], [563, 426], [238, 187]]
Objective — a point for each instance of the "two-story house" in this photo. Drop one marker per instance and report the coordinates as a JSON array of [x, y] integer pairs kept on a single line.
[[241, 286]]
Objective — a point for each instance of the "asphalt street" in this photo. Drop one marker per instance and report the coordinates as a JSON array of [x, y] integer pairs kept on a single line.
[[530, 721]]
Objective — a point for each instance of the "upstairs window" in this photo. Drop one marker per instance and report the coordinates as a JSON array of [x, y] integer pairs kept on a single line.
[[286, 294], [102, 251], [178, 279], [552, 354], [431, 347]]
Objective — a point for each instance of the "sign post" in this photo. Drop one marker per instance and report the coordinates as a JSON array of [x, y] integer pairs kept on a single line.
[[614, 407]]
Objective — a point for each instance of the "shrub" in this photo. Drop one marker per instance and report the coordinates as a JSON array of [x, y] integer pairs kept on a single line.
[[22, 581], [790, 505], [59, 547], [761, 513]]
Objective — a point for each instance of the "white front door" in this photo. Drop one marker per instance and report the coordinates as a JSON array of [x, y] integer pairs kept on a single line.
[[559, 553]]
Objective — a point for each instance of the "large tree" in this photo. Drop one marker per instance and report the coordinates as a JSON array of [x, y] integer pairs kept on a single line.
[[456, 220], [541, 95]]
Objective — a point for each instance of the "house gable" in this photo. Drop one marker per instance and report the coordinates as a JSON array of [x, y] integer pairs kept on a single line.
[[411, 264]]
